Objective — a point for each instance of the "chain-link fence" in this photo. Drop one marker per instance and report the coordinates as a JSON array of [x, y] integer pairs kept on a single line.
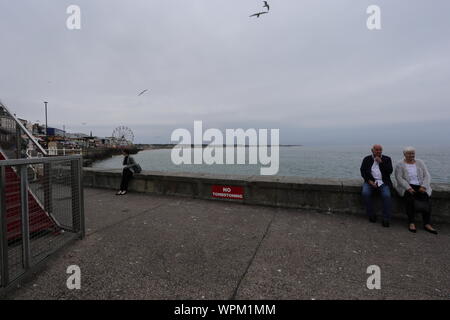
[[41, 202]]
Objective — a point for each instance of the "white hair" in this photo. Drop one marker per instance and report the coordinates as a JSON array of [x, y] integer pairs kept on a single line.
[[409, 149]]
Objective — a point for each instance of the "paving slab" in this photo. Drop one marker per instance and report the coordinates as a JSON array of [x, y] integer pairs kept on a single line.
[[309, 255]]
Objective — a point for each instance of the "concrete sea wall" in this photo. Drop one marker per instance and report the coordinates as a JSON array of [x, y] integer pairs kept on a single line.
[[328, 195]]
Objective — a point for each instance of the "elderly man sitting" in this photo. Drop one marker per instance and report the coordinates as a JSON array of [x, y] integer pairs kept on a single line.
[[376, 170]]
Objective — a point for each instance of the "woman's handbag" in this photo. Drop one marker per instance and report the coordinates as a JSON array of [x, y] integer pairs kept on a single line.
[[136, 168], [422, 203]]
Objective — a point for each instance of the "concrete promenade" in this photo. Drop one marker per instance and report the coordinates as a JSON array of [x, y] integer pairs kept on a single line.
[[144, 246]]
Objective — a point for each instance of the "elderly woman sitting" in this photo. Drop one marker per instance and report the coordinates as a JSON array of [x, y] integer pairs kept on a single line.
[[413, 184]]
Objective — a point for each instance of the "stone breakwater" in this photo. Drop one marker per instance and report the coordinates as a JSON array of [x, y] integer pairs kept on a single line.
[[90, 155]]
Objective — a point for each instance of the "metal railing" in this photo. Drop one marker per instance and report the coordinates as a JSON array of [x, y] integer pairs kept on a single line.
[[31, 153], [15, 138], [41, 210]]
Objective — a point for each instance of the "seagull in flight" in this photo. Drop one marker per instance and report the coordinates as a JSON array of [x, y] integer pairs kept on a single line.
[[258, 14], [140, 94], [266, 5]]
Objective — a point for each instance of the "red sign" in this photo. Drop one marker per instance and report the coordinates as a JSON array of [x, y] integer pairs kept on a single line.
[[228, 192]]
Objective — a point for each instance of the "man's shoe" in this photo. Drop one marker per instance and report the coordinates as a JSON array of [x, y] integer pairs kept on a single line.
[[385, 223], [412, 230], [373, 219]]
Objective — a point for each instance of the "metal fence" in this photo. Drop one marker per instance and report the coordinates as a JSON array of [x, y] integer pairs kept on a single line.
[[32, 153], [15, 139], [41, 202]]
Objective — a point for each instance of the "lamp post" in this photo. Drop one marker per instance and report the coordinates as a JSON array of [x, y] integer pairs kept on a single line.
[[46, 126]]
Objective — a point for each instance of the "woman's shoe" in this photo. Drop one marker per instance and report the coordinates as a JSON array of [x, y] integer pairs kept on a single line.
[[411, 229], [430, 231], [123, 192], [119, 193]]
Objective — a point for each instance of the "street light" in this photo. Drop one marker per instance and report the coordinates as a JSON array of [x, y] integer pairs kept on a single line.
[[46, 126]]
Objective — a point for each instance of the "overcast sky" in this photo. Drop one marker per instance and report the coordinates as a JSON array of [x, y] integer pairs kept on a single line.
[[310, 68]]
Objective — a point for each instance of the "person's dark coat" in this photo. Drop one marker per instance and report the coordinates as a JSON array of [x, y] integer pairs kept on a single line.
[[385, 168]]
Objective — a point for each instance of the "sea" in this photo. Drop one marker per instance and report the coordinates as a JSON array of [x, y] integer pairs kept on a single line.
[[335, 162]]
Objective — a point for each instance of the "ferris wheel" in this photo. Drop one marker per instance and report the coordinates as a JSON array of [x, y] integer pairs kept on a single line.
[[123, 135]]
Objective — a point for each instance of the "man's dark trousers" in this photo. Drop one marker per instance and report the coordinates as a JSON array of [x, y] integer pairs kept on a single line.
[[385, 192]]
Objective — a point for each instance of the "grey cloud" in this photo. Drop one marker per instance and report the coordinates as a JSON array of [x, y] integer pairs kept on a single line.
[[310, 67]]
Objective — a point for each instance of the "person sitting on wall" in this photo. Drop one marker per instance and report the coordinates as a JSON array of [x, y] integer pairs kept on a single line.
[[376, 170], [413, 184], [127, 172]]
